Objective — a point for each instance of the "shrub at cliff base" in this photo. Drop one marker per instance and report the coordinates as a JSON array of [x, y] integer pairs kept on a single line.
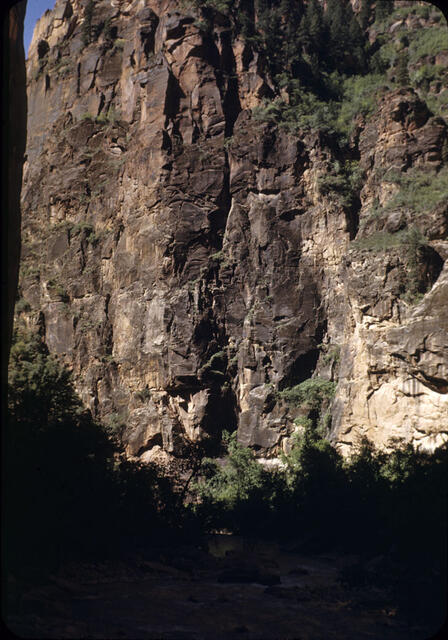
[[391, 507], [372, 501]]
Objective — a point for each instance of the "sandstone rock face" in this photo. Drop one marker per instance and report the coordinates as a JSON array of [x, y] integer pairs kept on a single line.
[[187, 260]]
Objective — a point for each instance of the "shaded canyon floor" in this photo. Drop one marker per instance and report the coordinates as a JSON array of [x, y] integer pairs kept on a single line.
[[230, 588]]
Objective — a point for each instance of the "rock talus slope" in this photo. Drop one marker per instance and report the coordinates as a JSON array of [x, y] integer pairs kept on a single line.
[[186, 260]]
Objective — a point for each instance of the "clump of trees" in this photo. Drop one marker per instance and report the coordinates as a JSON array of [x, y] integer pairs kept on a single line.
[[68, 488], [390, 507], [313, 52], [371, 500], [326, 63], [297, 38]]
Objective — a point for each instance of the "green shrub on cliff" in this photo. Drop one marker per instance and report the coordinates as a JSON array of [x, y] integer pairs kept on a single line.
[[380, 241], [419, 189], [311, 392], [428, 42], [359, 99], [240, 476], [415, 242], [343, 181], [86, 30], [353, 96]]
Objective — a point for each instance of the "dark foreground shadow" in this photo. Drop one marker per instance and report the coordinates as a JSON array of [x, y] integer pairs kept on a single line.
[[96, 545]]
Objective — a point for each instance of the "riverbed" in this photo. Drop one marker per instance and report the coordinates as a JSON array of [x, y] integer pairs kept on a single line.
[[227, 587]]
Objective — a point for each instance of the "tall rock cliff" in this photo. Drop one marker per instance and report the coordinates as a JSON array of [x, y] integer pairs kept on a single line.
[[206, 255]]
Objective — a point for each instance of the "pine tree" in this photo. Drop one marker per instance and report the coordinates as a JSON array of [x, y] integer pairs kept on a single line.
[[311, 29], [87, 24], [303, 32], [402, 73], [292, 13], [364, 14], [382, 9], [337, 26], [316, 25], [357, 43]]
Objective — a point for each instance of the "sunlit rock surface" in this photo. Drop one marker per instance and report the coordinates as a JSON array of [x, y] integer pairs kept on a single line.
[[185, 260]]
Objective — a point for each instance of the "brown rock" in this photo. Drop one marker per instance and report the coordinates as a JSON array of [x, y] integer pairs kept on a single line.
[[204, 262]]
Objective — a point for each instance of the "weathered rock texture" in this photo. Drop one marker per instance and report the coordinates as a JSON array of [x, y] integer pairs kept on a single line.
[[187, 261]]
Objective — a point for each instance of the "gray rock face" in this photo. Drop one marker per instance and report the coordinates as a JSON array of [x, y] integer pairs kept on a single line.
[[188, 262]]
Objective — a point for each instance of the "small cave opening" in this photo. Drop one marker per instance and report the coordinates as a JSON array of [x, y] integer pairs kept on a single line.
[[101, 104], [155, 440], [148, 36], [113, 33], [42, 49], [429, 268], [301, 369], [209, 52], [247, 57], [179, 255], [78, 79], [218, 217], [174, 94], [68, 11], [205, 331], [221, 416], [166, 142], [352, 217]]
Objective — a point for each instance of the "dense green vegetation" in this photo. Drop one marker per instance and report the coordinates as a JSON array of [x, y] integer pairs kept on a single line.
[[67, 473], [313, 398], [391, 507], [323, 66], [311, 392], [317, 487], [414, 243], [419, 190]]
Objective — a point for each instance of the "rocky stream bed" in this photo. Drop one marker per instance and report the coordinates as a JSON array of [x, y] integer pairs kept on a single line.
[[229, 588]]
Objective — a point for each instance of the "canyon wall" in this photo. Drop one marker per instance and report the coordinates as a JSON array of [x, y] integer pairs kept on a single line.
[[193, 263]]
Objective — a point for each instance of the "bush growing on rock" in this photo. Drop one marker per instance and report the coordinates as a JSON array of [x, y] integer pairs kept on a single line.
[[230, 495], [311, 392]]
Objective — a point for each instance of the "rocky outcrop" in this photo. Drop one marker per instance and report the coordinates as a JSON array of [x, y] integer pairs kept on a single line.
[[192, 263], [392, 377]]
